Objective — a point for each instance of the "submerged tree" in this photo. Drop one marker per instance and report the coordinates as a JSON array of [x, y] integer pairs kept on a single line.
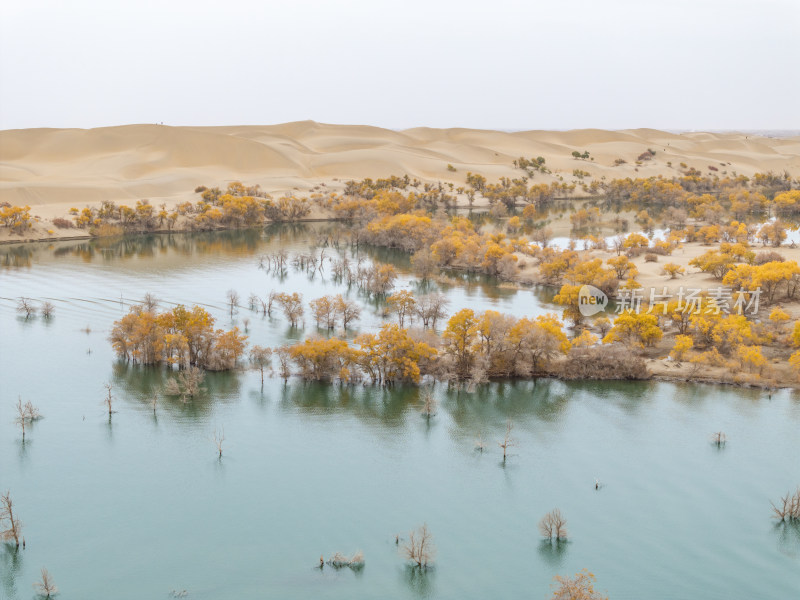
[[10, 526], [48, 309], [788, 509], [718, 438], [218, 437], [339, 560], [420, 549], [553, 526], [428, 403], [292, 306], [26, 413], [261, 357], [150, 302], [233, 299], [508, 441], [108, 401], [580, 587], [26, 305], [186, 384], [347, 310], [46, 587]]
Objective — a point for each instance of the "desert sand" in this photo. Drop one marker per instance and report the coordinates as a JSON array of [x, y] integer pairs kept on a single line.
[[54, 169]]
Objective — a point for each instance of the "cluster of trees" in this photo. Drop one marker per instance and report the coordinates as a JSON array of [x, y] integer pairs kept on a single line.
[[180, 336], [29, 308], [16, 218], [392, 355], [238, 206], [110, 218], [710, 197], [453, 244], [472, 347]]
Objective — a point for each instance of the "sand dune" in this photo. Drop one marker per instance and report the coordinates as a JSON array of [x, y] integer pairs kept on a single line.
[[50, 168]]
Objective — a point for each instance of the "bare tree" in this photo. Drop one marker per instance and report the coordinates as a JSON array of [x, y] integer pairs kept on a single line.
[[261, 357], [284, 360], [46, 587], [233, 299], [186, 384], [542, 236], [789, 509], [339, 560], [420, 549], [26, 413], [253, 301], [218, 438], [21, 417], [431, 308], [428, 403], [109, 399], [479, 445], [281, 256], [508, 441], [13, 530], [618, 243], [26, 305], [48, 309], [718, 438], [273, 296], [150, 302], [553, 526]]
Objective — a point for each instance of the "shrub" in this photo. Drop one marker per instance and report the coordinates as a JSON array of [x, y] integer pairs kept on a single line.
[[768, 256], [106, 230], [62, 223], [650, 257], [603, 362]]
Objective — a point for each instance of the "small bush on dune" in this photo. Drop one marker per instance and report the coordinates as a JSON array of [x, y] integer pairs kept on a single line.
[[62, 223]]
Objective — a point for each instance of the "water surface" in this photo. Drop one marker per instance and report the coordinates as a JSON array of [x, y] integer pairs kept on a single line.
[[141, 505]]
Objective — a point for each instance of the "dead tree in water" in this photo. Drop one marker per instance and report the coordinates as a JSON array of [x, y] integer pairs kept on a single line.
[[46, 587], [789, 507], [150, 302], [261, 357], [186, 384], [26, 413], [508, 441], [428, 404], [109, 399], [553, 526], [218, 438], [7, 514], [48, 309], [419, 549], [233, 299], [25, 305], [718, 439]]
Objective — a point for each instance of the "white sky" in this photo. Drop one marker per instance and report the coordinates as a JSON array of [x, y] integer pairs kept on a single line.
[[501, 64]]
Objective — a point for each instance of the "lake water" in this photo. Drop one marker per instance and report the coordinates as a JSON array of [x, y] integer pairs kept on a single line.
[[141, 505]]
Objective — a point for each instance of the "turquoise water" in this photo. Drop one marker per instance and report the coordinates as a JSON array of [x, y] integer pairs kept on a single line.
[[141, 505]]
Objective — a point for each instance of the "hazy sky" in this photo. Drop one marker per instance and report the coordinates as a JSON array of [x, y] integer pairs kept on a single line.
[[506, 64]]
